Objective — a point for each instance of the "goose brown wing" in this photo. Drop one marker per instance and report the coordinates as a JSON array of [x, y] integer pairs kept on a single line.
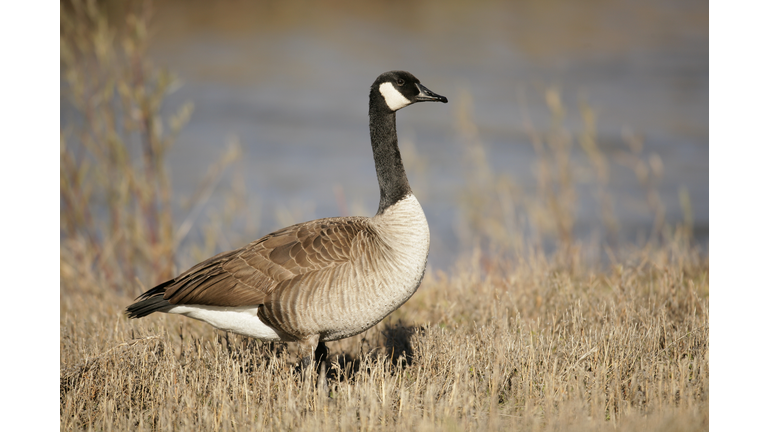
[[248, 275]]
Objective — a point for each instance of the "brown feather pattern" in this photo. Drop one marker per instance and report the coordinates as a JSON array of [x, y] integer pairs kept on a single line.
[[288, 261]]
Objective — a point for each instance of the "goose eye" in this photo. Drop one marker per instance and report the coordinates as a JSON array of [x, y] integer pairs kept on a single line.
[[400, 81]]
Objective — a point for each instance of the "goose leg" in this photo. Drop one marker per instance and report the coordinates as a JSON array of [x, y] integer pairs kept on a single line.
[[312, 350], [321, 356], [307, 349], [321, 353]]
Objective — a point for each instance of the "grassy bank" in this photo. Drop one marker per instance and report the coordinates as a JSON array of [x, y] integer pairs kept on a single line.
[[493, 346], [597, 336]]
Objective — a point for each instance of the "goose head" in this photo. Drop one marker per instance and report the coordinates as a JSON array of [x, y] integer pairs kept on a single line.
[[398, 89]]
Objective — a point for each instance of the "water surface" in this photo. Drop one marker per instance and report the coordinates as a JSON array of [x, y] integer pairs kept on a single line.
[[290, 81]]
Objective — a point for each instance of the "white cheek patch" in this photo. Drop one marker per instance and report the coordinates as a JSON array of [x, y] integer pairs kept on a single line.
[[395, 100]]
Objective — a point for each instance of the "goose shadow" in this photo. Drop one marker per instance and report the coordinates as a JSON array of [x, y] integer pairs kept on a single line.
[[396, 348]]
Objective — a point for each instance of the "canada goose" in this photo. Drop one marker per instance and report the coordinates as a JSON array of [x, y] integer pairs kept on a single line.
[[321, 280]]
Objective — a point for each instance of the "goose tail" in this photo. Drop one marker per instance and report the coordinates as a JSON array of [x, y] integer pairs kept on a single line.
[[149, 302]]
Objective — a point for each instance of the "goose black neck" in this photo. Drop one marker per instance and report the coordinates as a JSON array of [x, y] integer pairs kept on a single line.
[[393, 183]]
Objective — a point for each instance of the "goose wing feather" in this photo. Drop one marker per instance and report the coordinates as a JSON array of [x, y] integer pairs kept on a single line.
[[247, 276]]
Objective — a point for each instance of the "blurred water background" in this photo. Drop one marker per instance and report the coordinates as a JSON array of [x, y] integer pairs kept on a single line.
[[288, 82]]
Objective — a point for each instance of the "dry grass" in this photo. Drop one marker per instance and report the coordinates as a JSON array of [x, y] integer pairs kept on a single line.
[[494, 346], [511, 340]]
